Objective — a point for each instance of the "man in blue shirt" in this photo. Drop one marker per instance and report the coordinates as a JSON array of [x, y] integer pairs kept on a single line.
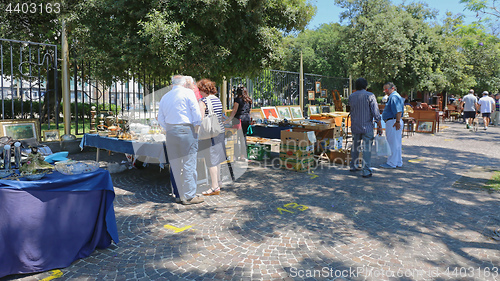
[[392, 116], [364, 109]]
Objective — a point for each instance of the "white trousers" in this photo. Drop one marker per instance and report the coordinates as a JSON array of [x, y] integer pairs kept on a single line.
[[395, 140], [495, 117]]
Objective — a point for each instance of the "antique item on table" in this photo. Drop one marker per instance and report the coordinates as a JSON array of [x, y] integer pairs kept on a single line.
[[33, 177], [6, 157], [296, 112], [77, 167], [270, 112], [35, 167], [20, 129], [17, 154], [284, 112], [51, 135], [314, 109]]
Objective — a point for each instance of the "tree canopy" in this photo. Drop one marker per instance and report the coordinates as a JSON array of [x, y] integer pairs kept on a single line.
[[202, 38], [404, 44]]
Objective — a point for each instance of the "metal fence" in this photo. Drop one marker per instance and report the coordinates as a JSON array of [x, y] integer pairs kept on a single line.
[[275, 87], [30, 88]]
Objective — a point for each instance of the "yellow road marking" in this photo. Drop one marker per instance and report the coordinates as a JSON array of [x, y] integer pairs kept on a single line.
[[415, 160], [448, 139], [55, 274], [177, 229]]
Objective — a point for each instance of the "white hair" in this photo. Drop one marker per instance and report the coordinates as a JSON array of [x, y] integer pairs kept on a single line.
[[179, 80]]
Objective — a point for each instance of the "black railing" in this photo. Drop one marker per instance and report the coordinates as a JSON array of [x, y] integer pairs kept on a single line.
[[30, 88]]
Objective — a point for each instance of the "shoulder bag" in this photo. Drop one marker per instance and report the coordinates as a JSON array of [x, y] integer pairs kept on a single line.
[[210, 126]]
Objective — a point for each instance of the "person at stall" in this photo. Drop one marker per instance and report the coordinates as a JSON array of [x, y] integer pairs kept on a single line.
[[213, 150], [240, 117], [364, 109], [392, 115], [190, 84], [179, 114]]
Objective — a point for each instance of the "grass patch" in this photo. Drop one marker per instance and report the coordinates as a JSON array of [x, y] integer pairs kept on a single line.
[[494, 182]]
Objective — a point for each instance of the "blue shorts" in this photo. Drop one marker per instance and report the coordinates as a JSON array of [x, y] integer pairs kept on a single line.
[[486, 114]]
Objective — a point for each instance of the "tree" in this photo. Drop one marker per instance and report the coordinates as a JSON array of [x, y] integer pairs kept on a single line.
[[203, 38], [322, 51]]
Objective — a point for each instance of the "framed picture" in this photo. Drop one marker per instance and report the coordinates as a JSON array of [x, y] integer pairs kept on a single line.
[[323, 93], [51, 135], [325, 109], [256, 114], [318, 87], [269, 112], [20, 129], [314, 109], [284, 112], [310, 95], [425, 126], [296, 112]]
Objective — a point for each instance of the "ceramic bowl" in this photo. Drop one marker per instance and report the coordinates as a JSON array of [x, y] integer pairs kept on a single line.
[[34, 177]]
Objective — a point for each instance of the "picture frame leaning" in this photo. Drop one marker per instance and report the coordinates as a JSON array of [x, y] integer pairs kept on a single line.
[[20, 129], [426, 126], [51, 135], [284, 112], [296, 112]]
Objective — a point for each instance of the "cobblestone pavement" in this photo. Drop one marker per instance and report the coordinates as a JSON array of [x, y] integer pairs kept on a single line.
[[429, 220]]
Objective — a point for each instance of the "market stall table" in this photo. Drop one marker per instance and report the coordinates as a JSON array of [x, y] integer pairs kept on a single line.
[[150, 150], [51, 222], [268, 132]]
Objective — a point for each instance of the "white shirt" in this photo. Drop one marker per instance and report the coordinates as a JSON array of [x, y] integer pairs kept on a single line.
[[179, 106], [487, 104]]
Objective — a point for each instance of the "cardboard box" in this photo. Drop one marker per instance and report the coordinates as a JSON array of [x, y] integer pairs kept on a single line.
[[341, 156], [298, 139]]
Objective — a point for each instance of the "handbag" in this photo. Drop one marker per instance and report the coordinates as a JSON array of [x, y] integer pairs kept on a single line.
[[382, 146], [210, 126]]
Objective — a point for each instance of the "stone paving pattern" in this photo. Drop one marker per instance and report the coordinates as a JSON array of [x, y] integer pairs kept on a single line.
[[414, 223]]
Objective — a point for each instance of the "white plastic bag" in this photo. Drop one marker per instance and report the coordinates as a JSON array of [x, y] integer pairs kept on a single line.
[[382, 146]]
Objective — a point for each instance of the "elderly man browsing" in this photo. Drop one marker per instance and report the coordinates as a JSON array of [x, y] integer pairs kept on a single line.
[[364, 110], [179, 114]]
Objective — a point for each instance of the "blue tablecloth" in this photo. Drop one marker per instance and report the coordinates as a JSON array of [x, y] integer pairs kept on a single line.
[[268, 132], [155, 150], [50, 223]]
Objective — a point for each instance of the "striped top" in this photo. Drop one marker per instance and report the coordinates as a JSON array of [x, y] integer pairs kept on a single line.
[[217, 106], [364, 109]]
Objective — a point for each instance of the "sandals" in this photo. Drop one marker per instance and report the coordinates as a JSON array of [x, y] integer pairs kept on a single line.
[[211, 191]]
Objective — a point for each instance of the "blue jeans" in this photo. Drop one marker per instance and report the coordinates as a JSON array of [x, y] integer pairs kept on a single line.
[[182, 149], [362, 142]]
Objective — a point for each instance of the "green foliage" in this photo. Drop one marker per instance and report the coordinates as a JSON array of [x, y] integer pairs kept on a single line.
[[323, 51]]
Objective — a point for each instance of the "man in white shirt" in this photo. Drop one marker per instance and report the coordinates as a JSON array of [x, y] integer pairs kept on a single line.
[[469, 104], [487, 106], [179, 114]]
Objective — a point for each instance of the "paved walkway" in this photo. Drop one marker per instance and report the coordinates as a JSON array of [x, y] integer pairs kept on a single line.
[[429, 220]]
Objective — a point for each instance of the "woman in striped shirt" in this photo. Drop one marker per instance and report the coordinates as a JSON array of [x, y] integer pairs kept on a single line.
[[212, 150]]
